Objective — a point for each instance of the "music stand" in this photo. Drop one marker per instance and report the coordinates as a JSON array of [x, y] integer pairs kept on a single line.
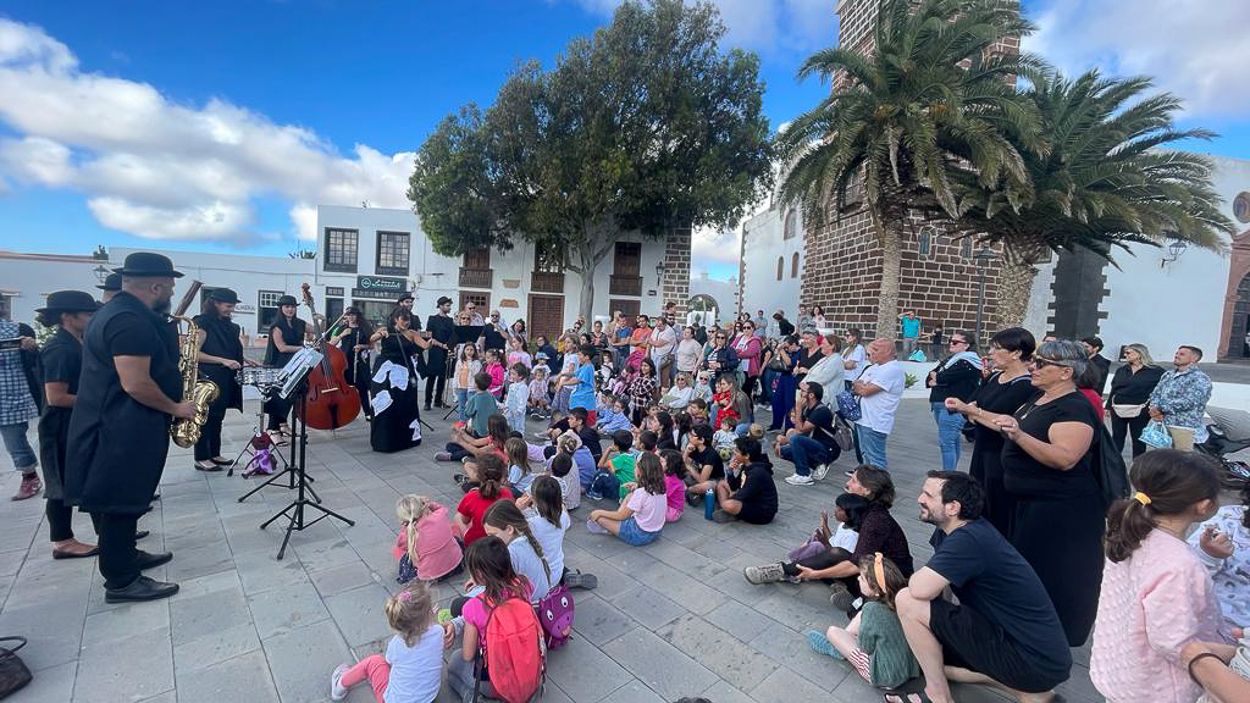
[[299, 477], [289, 379]]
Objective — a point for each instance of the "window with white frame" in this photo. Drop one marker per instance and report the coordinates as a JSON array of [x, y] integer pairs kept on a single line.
[[267, 309], [341, 246], [393, 253]]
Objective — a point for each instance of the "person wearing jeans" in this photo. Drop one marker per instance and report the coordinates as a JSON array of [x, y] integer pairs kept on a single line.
[[17, 405], [872, 445], [811, 442], [956, 376], [880, 388]]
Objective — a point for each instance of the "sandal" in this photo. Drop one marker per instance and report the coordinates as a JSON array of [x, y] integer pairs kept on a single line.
[[208, 468], [222, 462], [911, 691]]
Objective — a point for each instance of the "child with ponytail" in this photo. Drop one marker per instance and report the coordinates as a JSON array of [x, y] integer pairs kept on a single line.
[[425, 546], [1156, 595], [412, 668], [506, 521]]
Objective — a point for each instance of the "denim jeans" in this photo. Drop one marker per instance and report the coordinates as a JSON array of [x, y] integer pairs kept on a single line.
[[949, 435], [805, 452], [19, 448], [462, 403], [872, 444]]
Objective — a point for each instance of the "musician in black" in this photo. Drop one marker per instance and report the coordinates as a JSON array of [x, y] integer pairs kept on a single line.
[[112, 284], [442, 336], [60, 364], [221, 357], [397, 425], [129, 392], [286, 336], [353, 337]]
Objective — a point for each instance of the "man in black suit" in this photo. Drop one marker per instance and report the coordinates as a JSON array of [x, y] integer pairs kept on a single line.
[[1102, 365], [442, 334]]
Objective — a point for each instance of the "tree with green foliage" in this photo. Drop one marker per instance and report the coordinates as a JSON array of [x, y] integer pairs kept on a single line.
[[932, 104], [1106, 180], [646, 127]]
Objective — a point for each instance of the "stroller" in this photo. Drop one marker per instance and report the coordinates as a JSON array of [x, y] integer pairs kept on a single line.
[[1228, 434]]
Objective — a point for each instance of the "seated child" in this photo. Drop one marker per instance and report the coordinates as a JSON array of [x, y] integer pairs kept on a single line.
[[519, 474], [832, 547], [412, 668], [425, 546], [478, 500], [613, 416], [640, 517], [570, 487], [723, 402], [873, 642], [674, 486], [698, 412], [616, 467], [723, 440], [703, 387], [517, 400]]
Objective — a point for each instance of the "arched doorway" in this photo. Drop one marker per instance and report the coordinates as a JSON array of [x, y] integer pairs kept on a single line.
[[1236, 322], [702, 309], [1239, 327]]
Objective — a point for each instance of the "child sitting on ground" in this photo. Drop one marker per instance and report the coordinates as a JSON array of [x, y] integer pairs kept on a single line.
[[674, 486], [570, 487], [540, 394], [698, 412], [411, 671], [517, 400], [477, 500], [426, 548], [640, 517], [613, 415], [723, 440], [519, 474], [873, 642], [616, 467]]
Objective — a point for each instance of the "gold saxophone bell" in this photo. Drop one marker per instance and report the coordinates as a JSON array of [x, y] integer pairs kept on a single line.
[[186, 433]]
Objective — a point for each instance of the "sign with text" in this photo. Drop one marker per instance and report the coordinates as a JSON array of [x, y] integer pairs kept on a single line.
[[379, 287]]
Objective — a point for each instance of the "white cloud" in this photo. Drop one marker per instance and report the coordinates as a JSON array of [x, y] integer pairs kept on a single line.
[[764, 25], [715, 251], [1197, 49], [164, 170]]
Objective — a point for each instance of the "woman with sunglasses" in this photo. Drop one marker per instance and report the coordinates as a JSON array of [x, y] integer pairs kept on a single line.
[[1060, 516], [955, 376]]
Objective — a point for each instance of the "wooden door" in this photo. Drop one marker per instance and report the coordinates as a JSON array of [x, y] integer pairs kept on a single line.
[[477, 258], [628, 259], [631, 308], [546, 316]]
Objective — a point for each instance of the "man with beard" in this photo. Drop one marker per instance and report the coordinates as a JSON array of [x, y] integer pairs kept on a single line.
[[129, 392], [442, 334], [221, 356]]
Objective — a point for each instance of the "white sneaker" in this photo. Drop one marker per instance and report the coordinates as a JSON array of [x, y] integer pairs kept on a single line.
[[820, 472], [337, 691], [799, 480]]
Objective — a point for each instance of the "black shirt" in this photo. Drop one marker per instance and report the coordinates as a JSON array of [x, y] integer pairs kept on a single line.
[[807, 359], [1128, 388], [955, 379], [221, 339], [758, 494], [785, 327], [590, 440], [292, 335], [822, 417], [494, 338], [1001, 399], [1026, 476], [880, 532], [990, 577], [441, 328], [60, 361], [709, 456], [1103, 366]]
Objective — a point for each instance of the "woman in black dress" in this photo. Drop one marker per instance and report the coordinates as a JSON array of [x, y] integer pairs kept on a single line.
[[286, 337], [396, 402], [1059, 518], [60, 364], [221, 357], [1002, 393], [353, 339], [1130, 395]]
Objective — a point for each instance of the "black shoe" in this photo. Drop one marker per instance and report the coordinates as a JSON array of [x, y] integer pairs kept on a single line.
[[143, 588], [155, 497], [141, 534], [145, 560], [207, 469], [427, 407]]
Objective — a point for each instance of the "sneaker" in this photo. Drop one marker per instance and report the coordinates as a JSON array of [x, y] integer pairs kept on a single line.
[[799, 480], [821, 644], [693, 500], [576, 579], [768, 573], [820, 472], [849, 473], [595, 528], [442, 456], [31, 485], [337, 691], [594, 495], [840, 597]]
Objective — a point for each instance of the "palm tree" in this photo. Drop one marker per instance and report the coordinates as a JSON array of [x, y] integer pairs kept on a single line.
[[932, 104], [1104, 182]]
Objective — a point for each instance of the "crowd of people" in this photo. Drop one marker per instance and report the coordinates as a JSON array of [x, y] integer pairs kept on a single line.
[[644, 420]]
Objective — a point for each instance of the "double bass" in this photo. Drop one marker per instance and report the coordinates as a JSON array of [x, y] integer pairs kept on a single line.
[[330, 402]]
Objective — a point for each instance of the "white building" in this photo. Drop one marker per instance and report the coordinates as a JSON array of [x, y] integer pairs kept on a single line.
[[771, 263]]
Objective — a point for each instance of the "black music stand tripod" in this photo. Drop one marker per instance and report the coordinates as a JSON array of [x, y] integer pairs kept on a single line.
[[299, 479]]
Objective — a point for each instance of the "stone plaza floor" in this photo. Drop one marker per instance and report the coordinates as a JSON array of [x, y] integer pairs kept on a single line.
[[671, 619]]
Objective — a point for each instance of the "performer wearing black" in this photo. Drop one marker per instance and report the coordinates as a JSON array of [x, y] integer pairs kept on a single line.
[[60, 364], [397, 417], [353, 339], [110, 287], [221, 357], [443, 333], [129, 392], [406, 301], [286, 336], [494, 333]]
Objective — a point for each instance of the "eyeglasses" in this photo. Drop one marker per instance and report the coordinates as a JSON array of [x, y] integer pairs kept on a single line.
[[1042, 362], [959, 341]]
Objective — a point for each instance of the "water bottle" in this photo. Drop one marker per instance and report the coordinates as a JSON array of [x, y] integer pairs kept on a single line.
[[709, 504]]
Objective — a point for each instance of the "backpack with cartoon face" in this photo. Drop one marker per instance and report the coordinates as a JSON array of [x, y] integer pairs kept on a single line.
[[555, 612]]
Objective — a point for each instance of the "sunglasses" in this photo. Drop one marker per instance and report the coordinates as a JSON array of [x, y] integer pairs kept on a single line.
[[1042, 362], [959, 341]]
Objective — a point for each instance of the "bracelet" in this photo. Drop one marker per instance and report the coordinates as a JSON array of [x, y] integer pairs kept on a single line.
[[1198, 658]]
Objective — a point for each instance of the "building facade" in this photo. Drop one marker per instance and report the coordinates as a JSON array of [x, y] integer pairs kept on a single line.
[[772, 261]]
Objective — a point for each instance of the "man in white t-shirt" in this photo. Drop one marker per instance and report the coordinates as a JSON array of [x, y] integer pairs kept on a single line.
[[663, 344], [880, 389]]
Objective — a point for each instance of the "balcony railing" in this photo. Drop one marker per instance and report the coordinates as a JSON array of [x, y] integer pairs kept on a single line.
[[475, 278], [625, 285], [547, 282]]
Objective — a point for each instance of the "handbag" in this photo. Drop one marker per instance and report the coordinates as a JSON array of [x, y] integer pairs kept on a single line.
[[1156, 435], [1109, 468], [842, 434], [1127, 412], [14, 674], [848, 406]]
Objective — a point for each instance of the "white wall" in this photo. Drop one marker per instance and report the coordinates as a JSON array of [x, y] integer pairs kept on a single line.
[[28, 279], [762, 245]]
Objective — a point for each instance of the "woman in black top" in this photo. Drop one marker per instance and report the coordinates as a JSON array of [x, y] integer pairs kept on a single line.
[[1131, 387], [353, 339], [956, 376], [286, 336], [59, 366], [1060, 516], [221, 357], [397, 421], [1002, 393]]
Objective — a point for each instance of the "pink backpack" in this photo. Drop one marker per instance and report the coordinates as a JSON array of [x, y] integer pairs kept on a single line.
[[555, 612]]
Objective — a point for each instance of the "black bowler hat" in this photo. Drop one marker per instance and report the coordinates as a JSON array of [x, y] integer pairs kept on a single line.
[[224, 295], [287, 300], [444, 300], [68, 301], [145, 264], [112, 283], [404, 296]]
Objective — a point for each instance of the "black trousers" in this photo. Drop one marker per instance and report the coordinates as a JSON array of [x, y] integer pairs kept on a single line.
[[279, 410], [61, 520], [439, 379], [118, 558], [824, 560], [1132, 426], [209, 445], [361, 382], [748, 387]]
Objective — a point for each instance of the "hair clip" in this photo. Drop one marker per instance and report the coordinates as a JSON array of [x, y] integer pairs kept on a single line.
[[1141, 498], [404, 596]]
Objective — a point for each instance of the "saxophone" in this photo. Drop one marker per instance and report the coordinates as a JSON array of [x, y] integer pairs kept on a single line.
[[186, 433]]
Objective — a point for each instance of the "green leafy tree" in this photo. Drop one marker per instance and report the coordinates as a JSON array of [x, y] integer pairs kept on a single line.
[[645, 127], [1105, 181]]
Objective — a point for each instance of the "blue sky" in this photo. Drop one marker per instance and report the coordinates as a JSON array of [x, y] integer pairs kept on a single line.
[[216, 126]]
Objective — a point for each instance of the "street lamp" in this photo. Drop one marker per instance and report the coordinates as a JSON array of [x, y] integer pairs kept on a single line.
[[101, 273], [983, 258], [1175, 248], [659, 272]]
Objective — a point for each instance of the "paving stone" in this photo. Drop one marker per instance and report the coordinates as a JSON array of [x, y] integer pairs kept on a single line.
[[789, 648], [633, 692], [214, 647], [54, 634], [200, 561], [343, 578], [129, 620], [360, 613], [52, 685], [721, 692], [302, 660], [129, 669], [245, 676], [203, 615], [717, 650], [600, 621], [659, 665], [648, 607], [282, 610], [785, 686], [584, 672], [738, 620]]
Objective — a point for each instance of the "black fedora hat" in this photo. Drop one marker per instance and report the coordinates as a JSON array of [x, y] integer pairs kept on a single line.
[[287, 300], [444, 300], [112, 283], [406, 295], [68, 301], [224, 295], [145, 264]]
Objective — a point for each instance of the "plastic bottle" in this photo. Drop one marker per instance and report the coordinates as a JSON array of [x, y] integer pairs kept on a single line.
[[709, 504]]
